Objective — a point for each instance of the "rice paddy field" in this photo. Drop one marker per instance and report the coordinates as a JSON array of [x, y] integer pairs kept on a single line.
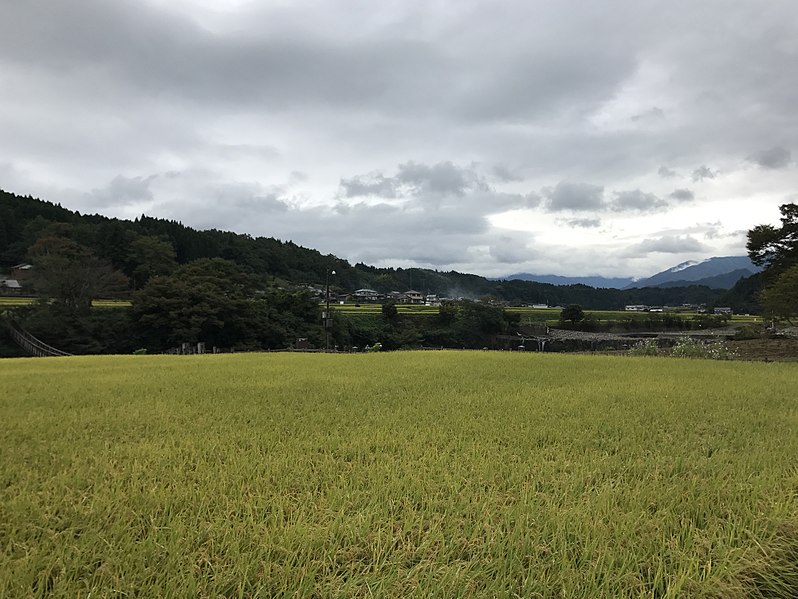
[[15, 302], [409, 474], [527, 315]]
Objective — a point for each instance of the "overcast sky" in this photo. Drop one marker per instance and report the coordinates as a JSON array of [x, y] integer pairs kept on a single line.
[[567, 137]]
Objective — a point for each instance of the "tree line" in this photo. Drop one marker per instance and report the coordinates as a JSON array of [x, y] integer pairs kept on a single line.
[[233, 290]]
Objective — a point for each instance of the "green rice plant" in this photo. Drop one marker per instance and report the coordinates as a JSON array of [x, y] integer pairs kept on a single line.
[[398, 474]]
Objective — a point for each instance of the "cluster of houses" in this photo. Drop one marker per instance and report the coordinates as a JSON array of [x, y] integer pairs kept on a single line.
[[13, 283], [370, 296], [697, 308], [400, 297]]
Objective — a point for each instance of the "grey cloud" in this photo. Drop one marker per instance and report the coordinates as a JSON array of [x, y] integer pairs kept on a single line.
[[773, 158], [121, 191], [682, 195], [567, 195], [414, 229], [207, 201], [386, 232], [511, 249], [369, 185], [654, 114], [665, 245], [581, 223], [298, 177], [666, 172], [531, 200], [636, 200], [276, 59], [441, 178], [434, 186], [156, 51], [703, 172], [416, 179], [258, 90], [260, 152], [505, 174]]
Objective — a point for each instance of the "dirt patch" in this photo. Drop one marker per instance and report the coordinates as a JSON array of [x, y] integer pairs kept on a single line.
[[777, 350]]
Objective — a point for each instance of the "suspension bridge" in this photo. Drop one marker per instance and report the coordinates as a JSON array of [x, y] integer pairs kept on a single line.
[[31, 345]]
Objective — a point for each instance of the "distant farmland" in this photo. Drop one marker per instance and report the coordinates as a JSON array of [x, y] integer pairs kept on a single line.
[[11, 302], [471, 474], [528, 315]]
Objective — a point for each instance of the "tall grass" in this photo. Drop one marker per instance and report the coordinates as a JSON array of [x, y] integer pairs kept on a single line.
[[446, 474]]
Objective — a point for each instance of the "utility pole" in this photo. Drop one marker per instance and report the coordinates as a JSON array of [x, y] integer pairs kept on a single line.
[[327, 316]]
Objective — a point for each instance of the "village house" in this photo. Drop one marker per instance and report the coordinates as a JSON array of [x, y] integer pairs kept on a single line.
[[20, 272], [432, 300], [367, 295], [412, 297], [10, 287]]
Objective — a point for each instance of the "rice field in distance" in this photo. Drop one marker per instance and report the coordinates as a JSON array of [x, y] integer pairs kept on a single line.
[[11, 302], [528, 315], [429, 474]]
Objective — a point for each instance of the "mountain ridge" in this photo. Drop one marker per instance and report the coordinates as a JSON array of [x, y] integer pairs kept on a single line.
[[717, 272], [693, 272]]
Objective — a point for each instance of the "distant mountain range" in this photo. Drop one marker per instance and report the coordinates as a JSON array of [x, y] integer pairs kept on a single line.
[[597, 282], [720, 272]]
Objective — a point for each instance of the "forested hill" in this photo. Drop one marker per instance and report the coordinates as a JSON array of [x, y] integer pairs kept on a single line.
[[24, 219]]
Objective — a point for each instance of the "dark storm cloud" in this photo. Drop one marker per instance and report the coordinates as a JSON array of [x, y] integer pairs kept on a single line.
[[773, 158], [568, 195], [636, 200], [682, 195]]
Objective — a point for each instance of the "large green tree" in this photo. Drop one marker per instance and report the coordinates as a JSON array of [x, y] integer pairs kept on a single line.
[[217, 302], [150, 256], [69, 273], [572, 313], [780, 298], [776, 248], [208, 300]]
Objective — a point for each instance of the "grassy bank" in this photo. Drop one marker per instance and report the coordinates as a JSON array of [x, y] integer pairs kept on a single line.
[[415, 473]]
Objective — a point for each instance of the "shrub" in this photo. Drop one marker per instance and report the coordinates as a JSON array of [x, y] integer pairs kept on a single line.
[[646, 347], [690, 348], [749, 332]]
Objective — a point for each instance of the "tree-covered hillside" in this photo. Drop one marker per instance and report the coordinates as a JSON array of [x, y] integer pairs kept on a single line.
[[145, 247]]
